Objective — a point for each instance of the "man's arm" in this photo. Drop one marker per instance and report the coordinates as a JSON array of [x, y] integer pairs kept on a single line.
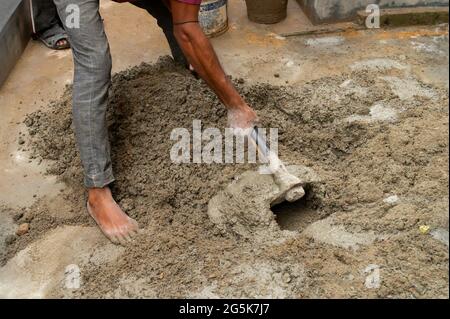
[[200, 54]]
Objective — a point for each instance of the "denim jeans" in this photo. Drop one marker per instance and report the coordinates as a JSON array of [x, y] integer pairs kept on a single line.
[[92, 80]]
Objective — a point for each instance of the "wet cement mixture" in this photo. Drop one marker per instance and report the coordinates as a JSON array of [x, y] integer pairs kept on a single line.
[[372, 146]]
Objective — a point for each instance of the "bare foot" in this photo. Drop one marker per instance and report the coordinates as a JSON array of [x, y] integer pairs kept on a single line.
[[113, 222]]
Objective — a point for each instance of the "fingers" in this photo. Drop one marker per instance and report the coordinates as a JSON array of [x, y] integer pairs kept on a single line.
[[242, 120]]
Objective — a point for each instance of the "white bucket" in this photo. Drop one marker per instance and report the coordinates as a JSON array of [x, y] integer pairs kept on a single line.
[[214, 17]]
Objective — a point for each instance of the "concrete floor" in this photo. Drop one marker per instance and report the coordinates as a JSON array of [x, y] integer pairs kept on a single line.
[[42, 74]]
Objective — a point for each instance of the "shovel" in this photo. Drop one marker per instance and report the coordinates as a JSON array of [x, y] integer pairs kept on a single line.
[[291, 186]]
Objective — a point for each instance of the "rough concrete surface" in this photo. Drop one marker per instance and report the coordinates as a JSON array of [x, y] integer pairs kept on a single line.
[[408, 16], [378, 180], [41, 267], [322, 11]]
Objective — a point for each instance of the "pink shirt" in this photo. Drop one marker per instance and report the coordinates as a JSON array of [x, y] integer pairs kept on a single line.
[[183, 1], [191, 1]]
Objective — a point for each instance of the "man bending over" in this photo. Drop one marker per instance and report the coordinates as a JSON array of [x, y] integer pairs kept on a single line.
[[92, 80]]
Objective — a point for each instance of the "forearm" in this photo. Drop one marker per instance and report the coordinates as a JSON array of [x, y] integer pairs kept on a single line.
[[200, 54], [202, 57]]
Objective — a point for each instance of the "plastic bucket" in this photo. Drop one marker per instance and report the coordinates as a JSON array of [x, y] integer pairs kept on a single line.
[[214, 17]]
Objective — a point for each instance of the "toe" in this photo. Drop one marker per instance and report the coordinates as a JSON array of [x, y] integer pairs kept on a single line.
[[122, 240], [113, 239], [134, 224], [128, 238], [132, 233]]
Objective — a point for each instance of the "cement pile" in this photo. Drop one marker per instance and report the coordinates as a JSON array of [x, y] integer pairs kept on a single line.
[[337, 127]]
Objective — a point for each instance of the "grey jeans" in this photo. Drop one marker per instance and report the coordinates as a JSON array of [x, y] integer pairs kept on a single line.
[[92, 81], [44, 15]]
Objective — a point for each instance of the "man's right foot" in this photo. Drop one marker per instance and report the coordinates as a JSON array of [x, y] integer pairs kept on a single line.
[[113, 222]]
